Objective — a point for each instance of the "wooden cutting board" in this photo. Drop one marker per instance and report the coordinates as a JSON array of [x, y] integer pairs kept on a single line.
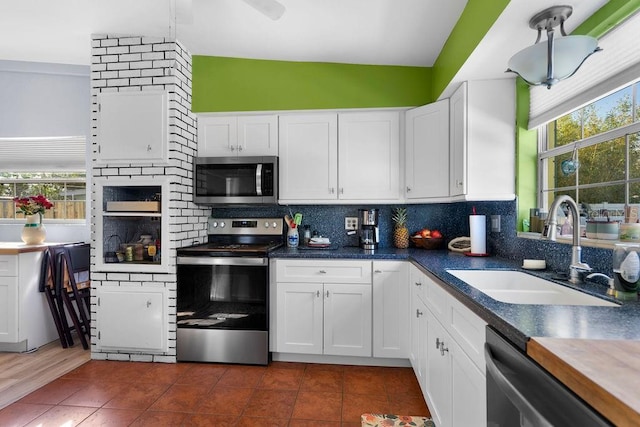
[[605, 373]]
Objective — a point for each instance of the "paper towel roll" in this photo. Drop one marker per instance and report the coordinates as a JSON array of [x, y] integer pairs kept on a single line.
[[478, 233]]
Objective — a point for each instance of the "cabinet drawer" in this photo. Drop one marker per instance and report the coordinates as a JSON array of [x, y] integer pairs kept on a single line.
[[468, 330], [437, 299], [8, 265], [321, 271]]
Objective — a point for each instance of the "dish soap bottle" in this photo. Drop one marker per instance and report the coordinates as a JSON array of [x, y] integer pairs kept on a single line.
[[292, 237]]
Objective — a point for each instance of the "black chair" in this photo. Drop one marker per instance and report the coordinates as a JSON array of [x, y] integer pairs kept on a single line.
[[48, 286], [73, 285]]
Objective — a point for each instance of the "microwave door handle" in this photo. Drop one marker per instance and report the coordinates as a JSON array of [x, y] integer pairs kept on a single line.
[[512, 392], [259, 179]]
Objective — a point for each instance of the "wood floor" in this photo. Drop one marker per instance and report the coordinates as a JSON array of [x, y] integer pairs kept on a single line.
[[22, 373]]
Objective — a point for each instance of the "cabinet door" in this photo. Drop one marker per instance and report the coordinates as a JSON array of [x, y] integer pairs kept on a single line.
[[257, 135], [308, 157], [9, 308], [390, 309], [427, 151], [458, 141], [217, 136], [131, 319], [438, 372], [468, 390], [369, 156], [418, 345], [347, 320], [299, 318], [132, 127]]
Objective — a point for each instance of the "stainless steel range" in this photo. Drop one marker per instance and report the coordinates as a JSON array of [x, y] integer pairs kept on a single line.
[[223, 289]]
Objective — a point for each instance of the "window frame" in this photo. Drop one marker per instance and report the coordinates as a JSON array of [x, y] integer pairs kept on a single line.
[[19, 218]]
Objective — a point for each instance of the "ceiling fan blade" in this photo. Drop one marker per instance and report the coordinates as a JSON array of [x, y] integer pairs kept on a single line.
[[271, 8]]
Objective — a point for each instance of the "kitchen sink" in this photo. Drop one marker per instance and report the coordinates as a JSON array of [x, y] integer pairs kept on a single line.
[[516, 287]]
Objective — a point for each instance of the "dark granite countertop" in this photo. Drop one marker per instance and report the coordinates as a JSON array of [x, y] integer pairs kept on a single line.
[[518, 322]]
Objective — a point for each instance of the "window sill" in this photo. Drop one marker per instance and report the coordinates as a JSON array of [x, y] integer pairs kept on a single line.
[[586, 242]]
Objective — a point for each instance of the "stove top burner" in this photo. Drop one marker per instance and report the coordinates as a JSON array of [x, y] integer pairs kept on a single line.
[[239, 237], [230, 249]]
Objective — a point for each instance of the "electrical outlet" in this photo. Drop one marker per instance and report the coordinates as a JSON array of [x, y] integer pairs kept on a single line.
[[351, 223], [495, 223]]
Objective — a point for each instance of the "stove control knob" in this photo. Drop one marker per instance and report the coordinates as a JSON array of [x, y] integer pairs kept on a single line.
[[222, 224], [266, 225], [275, 224], [214, 224]]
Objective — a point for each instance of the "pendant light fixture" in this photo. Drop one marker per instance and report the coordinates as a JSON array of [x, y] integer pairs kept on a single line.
[[557, 59]]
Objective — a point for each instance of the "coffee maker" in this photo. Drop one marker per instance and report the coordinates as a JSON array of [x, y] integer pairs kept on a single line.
[[369, 233]]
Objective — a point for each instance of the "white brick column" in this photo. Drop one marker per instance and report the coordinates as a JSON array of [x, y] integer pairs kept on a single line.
[[138, 63]]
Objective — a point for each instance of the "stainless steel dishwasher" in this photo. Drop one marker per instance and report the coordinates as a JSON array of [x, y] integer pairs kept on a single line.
[[521, 393]]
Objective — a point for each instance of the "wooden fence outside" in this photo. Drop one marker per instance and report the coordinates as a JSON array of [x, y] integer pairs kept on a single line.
[[71, 209]]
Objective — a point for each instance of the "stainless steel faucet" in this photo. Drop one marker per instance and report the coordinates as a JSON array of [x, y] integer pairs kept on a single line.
[[577, 266]]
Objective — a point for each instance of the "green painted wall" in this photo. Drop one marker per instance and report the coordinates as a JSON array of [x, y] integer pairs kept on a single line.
[[234, 84], [526, 155], [476, 19]]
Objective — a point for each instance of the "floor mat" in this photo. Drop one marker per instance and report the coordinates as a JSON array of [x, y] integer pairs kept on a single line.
[[388, 420]]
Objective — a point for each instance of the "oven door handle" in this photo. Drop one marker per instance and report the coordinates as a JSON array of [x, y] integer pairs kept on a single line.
[[206, 260], [512, 392]]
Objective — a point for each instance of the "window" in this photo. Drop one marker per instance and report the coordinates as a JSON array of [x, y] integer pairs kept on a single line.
[[67, 192], [603, 140], [53, 166]]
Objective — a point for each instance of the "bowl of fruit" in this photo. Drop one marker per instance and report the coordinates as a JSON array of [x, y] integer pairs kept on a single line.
[[428, 239]]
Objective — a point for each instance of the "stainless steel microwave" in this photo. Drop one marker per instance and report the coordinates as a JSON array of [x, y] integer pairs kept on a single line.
[[236, 180]]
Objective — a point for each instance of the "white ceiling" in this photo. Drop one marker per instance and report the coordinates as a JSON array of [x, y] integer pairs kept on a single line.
[[382, 32]]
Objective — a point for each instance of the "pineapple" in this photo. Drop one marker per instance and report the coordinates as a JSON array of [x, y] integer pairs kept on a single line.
[[400, 233]]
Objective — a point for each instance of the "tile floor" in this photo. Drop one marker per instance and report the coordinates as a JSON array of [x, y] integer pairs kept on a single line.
[[190, 394]]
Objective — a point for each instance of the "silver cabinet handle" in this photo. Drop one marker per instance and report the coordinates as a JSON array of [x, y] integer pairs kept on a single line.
[[408, 189], [327, 294], [418, 312], [318, 294], [149, 147], [342, 190], [418, 284], [440, 345], [332, 190], [232, 148], [377, 271], [148, 303], [239, 147], [443, 349], [322, 272]]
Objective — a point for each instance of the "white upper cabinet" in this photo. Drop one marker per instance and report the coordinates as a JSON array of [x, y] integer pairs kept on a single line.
[[369, 155], [482, 134], [254, 135], [308, 153], [340, 157], [427, 152], [132, 127]]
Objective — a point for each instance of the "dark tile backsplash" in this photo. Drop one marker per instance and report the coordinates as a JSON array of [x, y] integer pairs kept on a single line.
[[452, 219]]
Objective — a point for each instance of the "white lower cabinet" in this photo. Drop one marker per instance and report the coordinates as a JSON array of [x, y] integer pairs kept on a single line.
[[317, 318], [322, 307], [25, 318], [131, 319], [446, 353], [391, 309]]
